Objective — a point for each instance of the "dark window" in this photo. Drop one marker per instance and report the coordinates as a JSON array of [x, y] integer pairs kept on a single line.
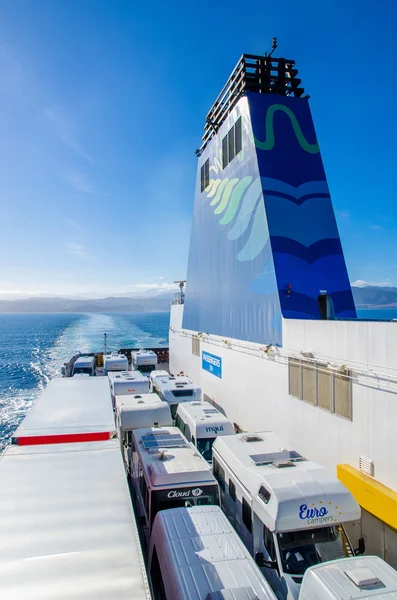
[[205, 174], [268, 541], [264, 494], [232, 490], [204, 446], [179, 423], [157, 578], [232, 152], [188, 434], [182, 393], [232, 143], [238, 141], [183, 497], [225, 152], [247, 515], [219, 474]]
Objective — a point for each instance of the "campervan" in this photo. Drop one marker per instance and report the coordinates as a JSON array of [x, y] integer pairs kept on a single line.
[[201, 423], [364, 578], [84, 365], [114, 362], [144, 360], [288, 510], [196, 554], [135, 412], [156, 373], [126, 383], [175, 390], [167, 472]]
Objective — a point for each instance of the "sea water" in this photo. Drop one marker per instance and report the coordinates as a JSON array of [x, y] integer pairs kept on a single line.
[[33, 348]]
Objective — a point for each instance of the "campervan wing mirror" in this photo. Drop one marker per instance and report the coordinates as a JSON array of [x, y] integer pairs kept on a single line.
[[361, 547], [262, 562]]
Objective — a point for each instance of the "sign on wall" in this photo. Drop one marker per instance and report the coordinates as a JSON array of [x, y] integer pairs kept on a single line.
[[212, 364]]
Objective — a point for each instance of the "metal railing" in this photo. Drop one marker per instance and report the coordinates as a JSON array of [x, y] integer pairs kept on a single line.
[[260, 74]]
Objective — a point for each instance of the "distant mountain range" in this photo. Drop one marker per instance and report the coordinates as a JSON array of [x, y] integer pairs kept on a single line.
[[364, 297], [371, 296], [159, 303]]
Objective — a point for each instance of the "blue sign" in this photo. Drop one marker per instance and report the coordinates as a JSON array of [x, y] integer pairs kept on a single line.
[[212, 364]]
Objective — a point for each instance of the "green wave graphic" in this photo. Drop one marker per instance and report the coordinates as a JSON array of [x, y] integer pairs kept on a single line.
[[235, 200], [269, 143]]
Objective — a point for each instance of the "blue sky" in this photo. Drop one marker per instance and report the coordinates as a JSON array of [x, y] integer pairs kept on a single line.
[[103, 102]]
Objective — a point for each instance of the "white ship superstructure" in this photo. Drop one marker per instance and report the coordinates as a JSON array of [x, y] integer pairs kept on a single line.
[[267, 327]]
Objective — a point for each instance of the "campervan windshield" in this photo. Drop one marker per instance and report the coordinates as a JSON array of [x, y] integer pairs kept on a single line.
[[204, 446], [299, 550], [82, 371]]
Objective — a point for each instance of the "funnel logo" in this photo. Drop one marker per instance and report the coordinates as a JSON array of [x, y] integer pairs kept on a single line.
[[212, 364]]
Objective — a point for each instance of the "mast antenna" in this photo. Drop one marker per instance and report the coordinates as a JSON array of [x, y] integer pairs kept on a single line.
[[105, 335]]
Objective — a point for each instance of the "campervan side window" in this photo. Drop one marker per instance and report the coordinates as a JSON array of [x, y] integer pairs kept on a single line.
[[157, 578], [179, 423], [232, 490], [144, 490], [219, 474], [247, 515], [268, 541]]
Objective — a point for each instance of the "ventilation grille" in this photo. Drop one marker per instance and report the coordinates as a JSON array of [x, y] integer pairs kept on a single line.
[[366, 465]]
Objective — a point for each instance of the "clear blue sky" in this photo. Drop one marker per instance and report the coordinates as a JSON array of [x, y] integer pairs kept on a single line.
[[103, 102]]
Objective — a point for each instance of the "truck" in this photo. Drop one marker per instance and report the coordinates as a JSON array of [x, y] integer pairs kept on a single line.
[[68, 528]]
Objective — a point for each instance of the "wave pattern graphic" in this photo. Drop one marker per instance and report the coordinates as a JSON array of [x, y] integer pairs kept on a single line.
[[240, 202], [269, 143], [33, 349]]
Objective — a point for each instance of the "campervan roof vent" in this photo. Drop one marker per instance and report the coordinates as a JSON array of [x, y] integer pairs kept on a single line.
[[363, 577], [281, 464], [240, 593], [137, 396], [197, 403], [277, 457], [252, 438]]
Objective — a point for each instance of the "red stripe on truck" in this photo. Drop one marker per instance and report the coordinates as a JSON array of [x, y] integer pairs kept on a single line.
[[65, 438]]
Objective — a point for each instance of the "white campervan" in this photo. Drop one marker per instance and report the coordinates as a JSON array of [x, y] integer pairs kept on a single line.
[[125, 383], [167, 472], [156, 373], [195, 554], [201, 423], [175, 390], [135, 412], [84, 365], [144, 360], [288, 511], [114, 362], [364, 578]]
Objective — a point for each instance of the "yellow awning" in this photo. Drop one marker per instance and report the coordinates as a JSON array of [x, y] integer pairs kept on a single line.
[[371, 495]]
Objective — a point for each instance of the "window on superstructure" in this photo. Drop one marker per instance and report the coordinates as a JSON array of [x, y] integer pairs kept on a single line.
[[196, 345], [205, 175], [324, 387], [232, 143], [343, 393], [247, 515], [309, 382], [295, 378]]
